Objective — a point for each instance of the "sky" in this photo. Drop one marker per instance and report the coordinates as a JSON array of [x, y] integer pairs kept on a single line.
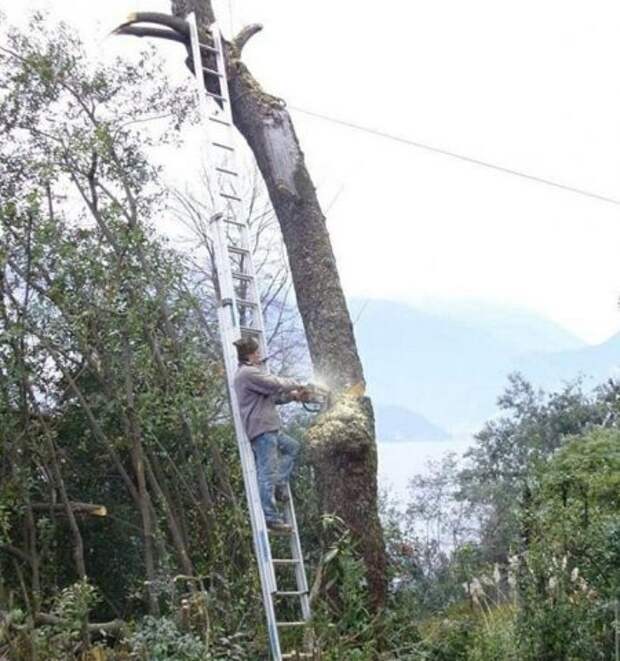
[[525, 84]]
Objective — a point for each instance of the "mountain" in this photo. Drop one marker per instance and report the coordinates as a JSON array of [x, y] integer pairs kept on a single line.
[[451, 367], [524, 331], [594, 364], [396, 424]]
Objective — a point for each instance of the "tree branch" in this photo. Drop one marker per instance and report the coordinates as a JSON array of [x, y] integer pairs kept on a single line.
[[203, 8], [82, 508], [176, 23], [15, 552], [158, 33], [114, 627], [245, 35]]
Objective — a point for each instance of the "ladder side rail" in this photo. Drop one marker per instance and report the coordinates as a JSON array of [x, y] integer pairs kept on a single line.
[[262, 547], [229, 330], [245, 233], [198, 76], [221, 68], [297, 554], [229, 326], [295, 543], [225, 284]]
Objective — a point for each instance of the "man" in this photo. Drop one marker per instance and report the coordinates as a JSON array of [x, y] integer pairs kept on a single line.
[[274, 452]]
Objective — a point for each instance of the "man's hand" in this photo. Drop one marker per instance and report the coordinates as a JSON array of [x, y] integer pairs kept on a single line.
[[301, 394]]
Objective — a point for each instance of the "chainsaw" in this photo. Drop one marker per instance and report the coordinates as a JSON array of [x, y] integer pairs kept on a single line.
[[317, 399], [314, 398]]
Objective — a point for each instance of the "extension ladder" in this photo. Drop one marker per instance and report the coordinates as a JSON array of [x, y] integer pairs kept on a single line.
[[240, 314]]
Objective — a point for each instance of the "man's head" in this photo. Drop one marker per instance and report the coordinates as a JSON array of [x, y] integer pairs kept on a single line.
[[247, 350]]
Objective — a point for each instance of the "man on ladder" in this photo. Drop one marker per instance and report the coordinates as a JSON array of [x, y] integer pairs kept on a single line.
[[258, 393]]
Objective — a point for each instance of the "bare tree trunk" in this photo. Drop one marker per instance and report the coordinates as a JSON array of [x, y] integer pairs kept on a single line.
[[137, 456], [346, 460], [156, 479]]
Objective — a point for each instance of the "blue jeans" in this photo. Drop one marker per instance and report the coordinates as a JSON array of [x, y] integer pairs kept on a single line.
[[275, 455]]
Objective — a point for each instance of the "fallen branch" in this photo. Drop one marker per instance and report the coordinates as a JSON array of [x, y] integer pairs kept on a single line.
[[78, 508], [112, 627]]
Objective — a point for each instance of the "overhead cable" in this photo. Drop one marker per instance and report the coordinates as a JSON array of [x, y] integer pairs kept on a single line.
[[462, 157]]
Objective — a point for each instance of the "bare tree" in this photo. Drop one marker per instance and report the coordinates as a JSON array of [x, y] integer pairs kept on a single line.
[[288, 352]]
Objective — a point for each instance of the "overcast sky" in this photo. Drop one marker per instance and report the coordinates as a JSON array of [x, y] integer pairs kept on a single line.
[[529, 85]]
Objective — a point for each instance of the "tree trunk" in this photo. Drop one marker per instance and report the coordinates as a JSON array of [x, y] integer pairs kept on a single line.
[[346, 460]]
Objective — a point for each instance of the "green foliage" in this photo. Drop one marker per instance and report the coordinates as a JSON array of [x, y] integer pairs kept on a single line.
[[159, 639], [540, 561], [110, 386], [572, 559], [111, 393], [508, 449]]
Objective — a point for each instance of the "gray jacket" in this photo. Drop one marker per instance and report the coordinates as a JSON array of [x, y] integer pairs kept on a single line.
[[257, 394]]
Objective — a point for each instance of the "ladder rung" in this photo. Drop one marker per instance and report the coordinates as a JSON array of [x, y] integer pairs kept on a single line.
[[219, 97], [223, 122], [298, 655], [231, 197], [275, 531], [212, 71], [242, 276], [285, 561], [209, 48], [256, 331], [225, 171], [300, 623], [246, 303], [227, 147], [238, 251], [291, 593]]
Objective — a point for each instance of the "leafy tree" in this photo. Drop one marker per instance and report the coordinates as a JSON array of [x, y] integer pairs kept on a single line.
[[496, 479], [571, 575], [116, 463]]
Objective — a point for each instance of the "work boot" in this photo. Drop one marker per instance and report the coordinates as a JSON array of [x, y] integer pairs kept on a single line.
[[279, 527], [281, 493]]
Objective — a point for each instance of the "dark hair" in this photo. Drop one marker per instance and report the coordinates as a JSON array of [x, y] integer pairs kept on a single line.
[[245, 346]]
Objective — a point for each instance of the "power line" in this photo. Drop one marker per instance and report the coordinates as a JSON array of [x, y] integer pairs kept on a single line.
[[462, 157]]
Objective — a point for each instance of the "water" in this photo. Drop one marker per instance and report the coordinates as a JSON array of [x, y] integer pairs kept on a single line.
[[399, 462]]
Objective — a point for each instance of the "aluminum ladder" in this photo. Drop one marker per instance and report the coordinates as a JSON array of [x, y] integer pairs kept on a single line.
[[240, 314]]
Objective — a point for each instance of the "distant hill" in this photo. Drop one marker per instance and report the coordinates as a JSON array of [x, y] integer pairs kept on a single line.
[[594, 363], [451, 367], [396, 424], [521, 330]]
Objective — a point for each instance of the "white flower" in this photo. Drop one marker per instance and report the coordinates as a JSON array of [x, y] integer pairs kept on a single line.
[[553, 582], [486, 580], [574, 575], [496, 574]]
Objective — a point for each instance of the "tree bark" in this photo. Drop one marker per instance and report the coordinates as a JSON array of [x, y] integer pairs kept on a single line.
[[345, 455]]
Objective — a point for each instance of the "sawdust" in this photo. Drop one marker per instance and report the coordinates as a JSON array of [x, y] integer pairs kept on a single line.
[[346, 426]]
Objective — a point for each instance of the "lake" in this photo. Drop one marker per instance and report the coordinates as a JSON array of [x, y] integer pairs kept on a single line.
[[399, 462]]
